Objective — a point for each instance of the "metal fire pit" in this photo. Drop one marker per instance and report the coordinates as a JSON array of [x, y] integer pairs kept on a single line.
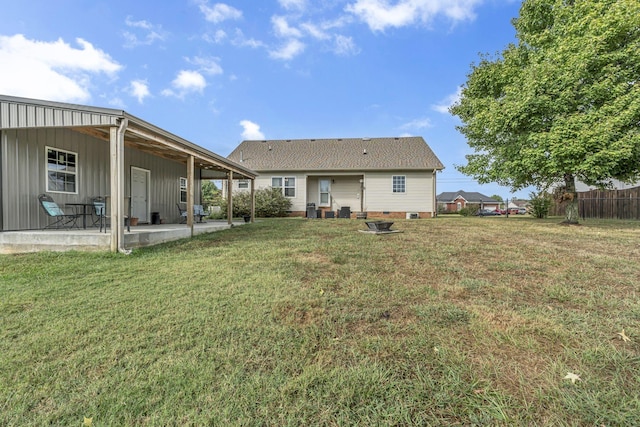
[[379, 225]]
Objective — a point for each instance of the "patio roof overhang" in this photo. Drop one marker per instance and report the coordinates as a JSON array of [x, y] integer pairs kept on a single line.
[[23, 113], [149, 139]]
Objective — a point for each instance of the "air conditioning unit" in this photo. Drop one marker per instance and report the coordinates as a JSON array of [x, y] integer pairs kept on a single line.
[[412, 215]]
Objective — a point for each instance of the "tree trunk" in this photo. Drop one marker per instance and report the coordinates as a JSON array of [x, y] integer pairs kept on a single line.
[[571, 198]]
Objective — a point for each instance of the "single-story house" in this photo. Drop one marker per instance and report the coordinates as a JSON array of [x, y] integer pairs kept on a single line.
[[382, 177], [453, 201], [516, 204], [74, 153]]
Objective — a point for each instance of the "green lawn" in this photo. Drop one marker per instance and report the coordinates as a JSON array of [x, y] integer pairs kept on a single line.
[[455, 321]]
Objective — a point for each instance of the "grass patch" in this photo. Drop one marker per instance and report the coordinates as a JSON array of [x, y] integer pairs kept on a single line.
[[296, 322]]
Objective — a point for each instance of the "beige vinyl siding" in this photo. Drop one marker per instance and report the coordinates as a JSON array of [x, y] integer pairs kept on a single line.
[[417, 198], [299, 202], [313, 194], [345, 191]]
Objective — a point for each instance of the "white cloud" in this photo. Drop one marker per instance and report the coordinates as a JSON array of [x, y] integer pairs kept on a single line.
[[282, 28], [380, 14], [345, 46], [151, 33], [117, 102], [218, 37], [139, 89], [51, 70], [251, 131], [417, 124], [444, 105], [241, 40], [289, 50], [315, 31], [186, 82], [219, 12], [206, 65], [293, 4]]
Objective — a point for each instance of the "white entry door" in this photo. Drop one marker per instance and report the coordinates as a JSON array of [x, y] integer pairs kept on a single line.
[[140, 194]]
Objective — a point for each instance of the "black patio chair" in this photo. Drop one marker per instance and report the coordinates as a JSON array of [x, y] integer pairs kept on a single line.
[[199, 212], [100, 212], [183, 214], [60, 218]]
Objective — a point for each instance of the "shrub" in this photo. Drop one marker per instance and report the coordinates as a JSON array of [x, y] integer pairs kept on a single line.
[[270, 203], [540, 204], [469, 210]]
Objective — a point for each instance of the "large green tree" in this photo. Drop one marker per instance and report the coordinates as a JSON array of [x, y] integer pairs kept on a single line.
[[563, 103]]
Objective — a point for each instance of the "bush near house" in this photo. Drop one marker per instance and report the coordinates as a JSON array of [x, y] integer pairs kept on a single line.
[[469, 210], [270, 203], [540, 204]]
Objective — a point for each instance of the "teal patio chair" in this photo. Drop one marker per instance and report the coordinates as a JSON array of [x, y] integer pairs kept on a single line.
[[58, 216]]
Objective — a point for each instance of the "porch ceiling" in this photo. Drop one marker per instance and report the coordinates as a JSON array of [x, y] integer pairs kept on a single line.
[[147, 141]]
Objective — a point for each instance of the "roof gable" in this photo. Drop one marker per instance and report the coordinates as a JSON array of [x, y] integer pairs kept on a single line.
[[337, 154]]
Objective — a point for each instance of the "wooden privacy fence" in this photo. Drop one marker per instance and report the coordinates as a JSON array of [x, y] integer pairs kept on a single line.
[[606, 204]]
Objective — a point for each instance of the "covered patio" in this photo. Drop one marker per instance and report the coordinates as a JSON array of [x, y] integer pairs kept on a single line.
[[29, 127], [91, 239]]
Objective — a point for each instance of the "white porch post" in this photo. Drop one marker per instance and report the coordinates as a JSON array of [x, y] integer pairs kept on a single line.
[[253, 200], [116, 147], [434, 201], [229, 198], [190, 192], [113, 153]]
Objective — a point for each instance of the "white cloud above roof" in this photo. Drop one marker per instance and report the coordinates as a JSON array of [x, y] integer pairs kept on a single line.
[[219, 12], [251, 131], [289, 50], [421, 123], [444, 105], [206, 65], [293, 4], [381, 14], [139, 89], [283, 29], [142, 33], [345, 46], [51, 70], [187, 81], [315, 31]]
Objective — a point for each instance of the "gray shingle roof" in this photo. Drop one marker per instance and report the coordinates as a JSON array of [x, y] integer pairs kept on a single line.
[[469, 196], [336, 154]]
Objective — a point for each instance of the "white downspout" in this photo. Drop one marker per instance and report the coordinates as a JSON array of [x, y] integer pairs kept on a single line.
[[120, 189]]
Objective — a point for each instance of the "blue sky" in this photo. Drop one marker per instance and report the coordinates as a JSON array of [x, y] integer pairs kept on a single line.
[[216, 73]]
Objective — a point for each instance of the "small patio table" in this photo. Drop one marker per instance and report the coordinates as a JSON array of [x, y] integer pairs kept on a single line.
[[85, 207]]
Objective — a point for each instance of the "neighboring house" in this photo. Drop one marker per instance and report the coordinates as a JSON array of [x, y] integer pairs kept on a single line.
[[384, 177], [76, 152], [518, 204], [453, 201], [614, 185]]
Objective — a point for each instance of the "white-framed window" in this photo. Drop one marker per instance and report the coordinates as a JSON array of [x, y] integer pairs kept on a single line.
[[243, 183], [61, 173], [324, 189], [399, 184], [183, 190], [286, 183]]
